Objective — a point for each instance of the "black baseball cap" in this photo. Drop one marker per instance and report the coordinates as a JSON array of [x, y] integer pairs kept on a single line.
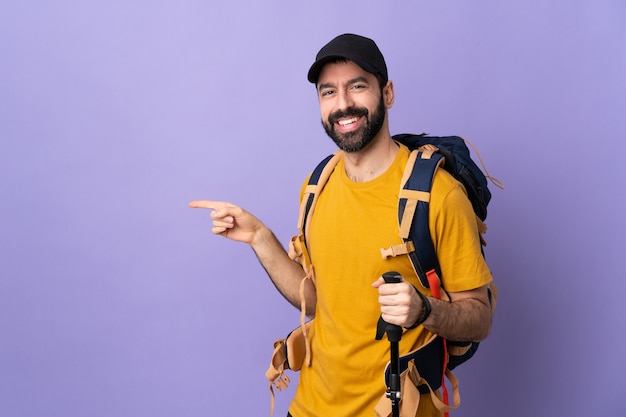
[[358, 49]]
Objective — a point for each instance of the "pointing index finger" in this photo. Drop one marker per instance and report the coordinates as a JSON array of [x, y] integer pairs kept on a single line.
[[206, 204]]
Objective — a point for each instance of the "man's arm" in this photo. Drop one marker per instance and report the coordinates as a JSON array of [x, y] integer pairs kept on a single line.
[[466, 317], [237, 224]]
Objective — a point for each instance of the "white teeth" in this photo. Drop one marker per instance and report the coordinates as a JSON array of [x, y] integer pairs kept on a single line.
[[348, 121]]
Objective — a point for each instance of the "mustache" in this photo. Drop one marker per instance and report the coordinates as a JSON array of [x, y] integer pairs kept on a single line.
[[350, 112]]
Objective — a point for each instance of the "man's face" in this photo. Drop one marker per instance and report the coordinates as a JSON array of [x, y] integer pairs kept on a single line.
[[351, 104]]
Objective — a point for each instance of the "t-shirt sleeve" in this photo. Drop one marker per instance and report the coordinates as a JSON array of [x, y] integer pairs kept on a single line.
[[454, 230]]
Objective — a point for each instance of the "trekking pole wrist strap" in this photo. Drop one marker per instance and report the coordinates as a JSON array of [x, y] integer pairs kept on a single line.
[[426, 309]]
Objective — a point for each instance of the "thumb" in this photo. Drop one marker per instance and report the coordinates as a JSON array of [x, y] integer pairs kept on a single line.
[[380, 281]]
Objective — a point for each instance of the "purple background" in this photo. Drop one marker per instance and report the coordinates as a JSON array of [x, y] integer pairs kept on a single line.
[[115, 298]]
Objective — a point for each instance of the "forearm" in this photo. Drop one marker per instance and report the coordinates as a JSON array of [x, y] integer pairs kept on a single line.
[[465, 319], [285, 274], [233, 222]]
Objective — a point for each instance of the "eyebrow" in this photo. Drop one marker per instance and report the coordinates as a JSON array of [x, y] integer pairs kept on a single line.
[[354, 80]]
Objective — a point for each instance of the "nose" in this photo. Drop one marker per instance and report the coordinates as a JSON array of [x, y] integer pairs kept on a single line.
[[344, 100]]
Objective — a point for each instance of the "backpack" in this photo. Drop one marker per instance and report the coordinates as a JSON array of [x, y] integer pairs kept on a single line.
[[438, 356]]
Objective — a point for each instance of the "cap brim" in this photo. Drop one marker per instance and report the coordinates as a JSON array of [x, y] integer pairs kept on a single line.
[[316, 68]]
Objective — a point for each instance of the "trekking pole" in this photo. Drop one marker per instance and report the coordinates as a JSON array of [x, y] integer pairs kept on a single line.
[[394, 334]]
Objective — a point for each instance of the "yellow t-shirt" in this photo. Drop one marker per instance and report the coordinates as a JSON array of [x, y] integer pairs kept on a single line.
[[351, 222]]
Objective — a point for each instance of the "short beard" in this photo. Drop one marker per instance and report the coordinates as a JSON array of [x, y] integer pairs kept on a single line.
[[357, 140]]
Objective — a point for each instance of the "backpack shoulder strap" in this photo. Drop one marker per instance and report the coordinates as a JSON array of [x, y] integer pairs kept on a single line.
[[413, 213], [316, 183], [317, 180], [298, 247]]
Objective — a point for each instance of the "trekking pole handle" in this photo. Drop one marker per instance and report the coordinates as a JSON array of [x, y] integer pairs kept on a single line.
[[394, 332], [392, 277]]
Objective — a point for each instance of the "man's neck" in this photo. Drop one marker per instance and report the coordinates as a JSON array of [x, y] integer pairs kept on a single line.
[[369, 163]]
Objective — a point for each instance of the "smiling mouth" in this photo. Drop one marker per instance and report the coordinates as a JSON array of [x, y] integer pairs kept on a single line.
[[347, 122]]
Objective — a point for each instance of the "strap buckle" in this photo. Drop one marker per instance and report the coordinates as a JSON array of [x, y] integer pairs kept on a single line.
[[395, 250]]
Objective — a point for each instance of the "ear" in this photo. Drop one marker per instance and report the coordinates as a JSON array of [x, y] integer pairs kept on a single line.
[[388, 94]]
